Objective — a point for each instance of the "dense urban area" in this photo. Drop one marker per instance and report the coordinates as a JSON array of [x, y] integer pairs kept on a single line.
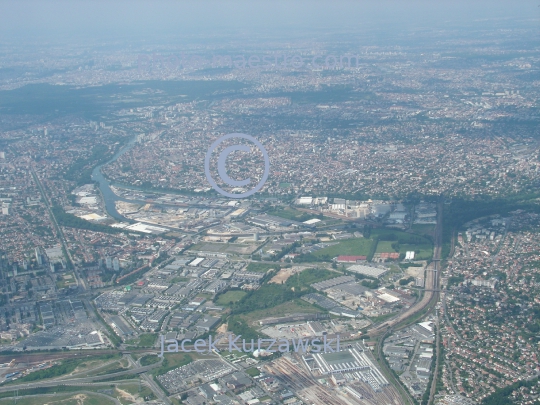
[[399, 222]]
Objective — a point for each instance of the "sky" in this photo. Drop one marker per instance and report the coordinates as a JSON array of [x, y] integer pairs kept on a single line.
[[76, 20]]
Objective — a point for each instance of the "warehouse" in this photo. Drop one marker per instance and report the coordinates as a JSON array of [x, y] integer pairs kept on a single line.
[[120, 327], [368, 270], [196, 262]]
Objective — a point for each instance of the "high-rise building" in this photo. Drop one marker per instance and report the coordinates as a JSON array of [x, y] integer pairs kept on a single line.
[[108, 263], [45, 131], [39, 259], [116, 264], [2, 155], [5, 209]]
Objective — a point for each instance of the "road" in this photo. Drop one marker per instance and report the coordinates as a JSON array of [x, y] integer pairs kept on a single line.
[[75, 381], [80, 281], [431, 287], [68, 394], [388, 373], [430, 298], [78, 380], [433, 388], [156, 389]]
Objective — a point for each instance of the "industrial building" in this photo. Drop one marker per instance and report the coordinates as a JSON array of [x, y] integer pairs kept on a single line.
[[353, 362], [368, 270]]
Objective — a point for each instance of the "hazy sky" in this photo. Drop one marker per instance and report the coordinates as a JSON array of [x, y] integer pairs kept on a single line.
[[75, 19]]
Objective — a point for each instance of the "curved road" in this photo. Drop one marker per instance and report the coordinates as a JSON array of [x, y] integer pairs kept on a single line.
[[430, 298]]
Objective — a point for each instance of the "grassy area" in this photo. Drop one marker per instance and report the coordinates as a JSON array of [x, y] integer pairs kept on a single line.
[[377, 319], [65, 367], [277, 299], [229, 296], [327, 222], [132, 389], [253, 372], [423, 229], [92, 363], [347, 247], [273, 295], [110, 368], [150, 359], [423, 252], [384, 247], [287, 308], [172, 361], [290, 213], [261, 267], [400, 236], [144, 340], [147, 339], [305, 278], [405, 242], [66, 281], [221, 247]]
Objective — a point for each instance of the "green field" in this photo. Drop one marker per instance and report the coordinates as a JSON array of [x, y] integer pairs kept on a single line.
[[67, 280], [423, 252], [395, 235], [287, 212], [172, 361], [347, 247], [292, 214], [423, 229], [385, 247], [66, 366], [110, 368], [229, 296], [149, 359], [287, 308], [261, 267], [144, 340], [406, 242], [253, 372]]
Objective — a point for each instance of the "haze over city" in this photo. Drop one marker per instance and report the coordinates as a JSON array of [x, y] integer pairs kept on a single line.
[[288, 202]]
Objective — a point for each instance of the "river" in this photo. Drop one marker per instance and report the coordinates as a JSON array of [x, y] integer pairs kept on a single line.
[[108, 196]]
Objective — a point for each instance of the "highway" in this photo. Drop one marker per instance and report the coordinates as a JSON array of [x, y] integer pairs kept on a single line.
[[80, 380], [433, 387], [68, 394], [431, 286], [430, 298], [75, 381]]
